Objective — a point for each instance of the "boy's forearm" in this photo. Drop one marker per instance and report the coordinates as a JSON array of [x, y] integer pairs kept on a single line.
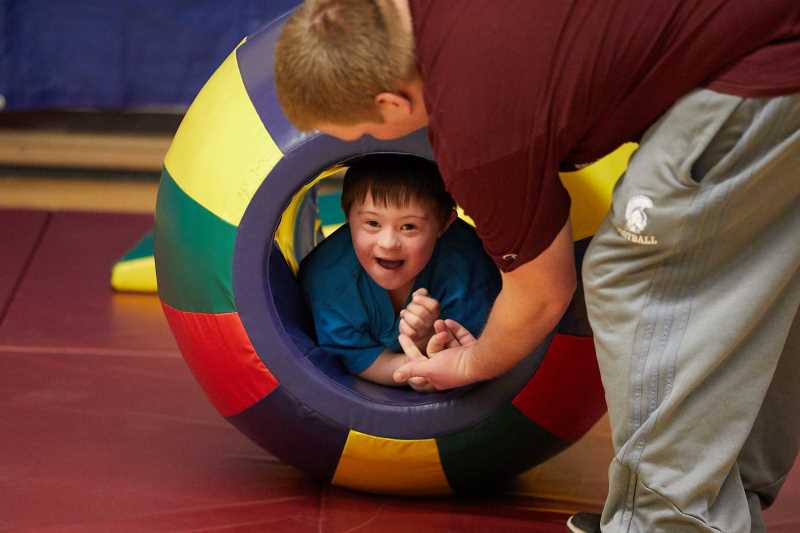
[[383, 368]]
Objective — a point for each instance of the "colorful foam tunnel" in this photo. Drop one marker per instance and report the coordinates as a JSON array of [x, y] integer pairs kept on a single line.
[[232, 301]]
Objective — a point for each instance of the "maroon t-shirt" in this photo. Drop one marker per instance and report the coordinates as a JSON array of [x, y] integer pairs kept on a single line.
[[516, 89]]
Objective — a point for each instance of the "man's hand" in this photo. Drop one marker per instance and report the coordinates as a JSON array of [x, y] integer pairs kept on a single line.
[[417, 319], [449, 350], [449, 334], [412, 355]]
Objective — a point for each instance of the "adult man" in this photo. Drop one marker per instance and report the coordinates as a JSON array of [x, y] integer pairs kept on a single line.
[[692, 282]]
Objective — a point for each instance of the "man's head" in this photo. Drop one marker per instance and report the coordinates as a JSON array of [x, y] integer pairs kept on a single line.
[[346, 67], [397, 207]]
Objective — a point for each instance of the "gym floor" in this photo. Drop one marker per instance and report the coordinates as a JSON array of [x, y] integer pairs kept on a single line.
[[105, 429]]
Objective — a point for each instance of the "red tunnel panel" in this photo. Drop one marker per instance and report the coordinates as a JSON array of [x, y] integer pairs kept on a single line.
[[565, 396], [219, 353]]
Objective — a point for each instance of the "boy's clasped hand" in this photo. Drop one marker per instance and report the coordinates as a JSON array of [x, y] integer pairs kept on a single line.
[[422, 336]]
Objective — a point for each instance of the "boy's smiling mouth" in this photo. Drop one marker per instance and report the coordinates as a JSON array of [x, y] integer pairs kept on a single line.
[[389, 264]]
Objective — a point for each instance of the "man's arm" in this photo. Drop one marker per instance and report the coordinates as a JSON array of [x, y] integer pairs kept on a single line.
[[530, 304], [533, 299]]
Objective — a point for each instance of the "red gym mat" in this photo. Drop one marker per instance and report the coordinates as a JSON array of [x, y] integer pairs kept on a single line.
[[104, 429]]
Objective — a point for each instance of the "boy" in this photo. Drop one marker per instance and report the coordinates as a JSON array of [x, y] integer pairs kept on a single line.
[[402, 261]]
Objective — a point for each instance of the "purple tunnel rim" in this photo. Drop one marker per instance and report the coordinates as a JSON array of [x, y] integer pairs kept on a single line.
[[400, 414]]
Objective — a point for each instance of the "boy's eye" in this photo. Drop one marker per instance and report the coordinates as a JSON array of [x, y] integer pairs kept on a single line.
[[372, 223], [408, 227]]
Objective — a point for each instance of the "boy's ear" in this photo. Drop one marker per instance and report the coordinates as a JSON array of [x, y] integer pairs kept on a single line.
[[450, 219]]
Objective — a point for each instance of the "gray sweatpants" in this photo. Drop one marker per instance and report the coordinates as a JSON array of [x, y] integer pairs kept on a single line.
[[692, 287]]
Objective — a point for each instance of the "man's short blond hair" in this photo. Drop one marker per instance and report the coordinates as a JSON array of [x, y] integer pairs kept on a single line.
[[334, 56]]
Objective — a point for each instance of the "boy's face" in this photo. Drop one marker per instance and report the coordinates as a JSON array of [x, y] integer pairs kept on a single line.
[[393, 243]]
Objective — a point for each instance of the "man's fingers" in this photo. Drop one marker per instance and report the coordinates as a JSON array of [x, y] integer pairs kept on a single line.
[[403, 373], [444, 370], [421, 384], [438, 342], [453, 325], [442, 339], [417, 382], [446, 334], [459, 332]]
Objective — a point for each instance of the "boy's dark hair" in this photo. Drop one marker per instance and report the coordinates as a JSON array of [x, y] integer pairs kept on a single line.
[[396, 179]]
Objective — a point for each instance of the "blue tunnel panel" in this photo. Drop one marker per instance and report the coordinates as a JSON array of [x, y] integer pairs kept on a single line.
[[294, 433]]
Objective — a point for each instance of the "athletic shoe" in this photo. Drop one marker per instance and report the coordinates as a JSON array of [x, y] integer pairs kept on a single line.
[[584, 523]]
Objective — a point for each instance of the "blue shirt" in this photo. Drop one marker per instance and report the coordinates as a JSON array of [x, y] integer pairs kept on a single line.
[[353, 315]]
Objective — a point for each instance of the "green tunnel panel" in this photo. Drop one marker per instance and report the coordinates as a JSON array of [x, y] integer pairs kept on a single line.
[[494, 451], [193, 251]]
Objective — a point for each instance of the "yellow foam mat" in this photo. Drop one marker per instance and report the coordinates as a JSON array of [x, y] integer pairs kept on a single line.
[[135, 275]]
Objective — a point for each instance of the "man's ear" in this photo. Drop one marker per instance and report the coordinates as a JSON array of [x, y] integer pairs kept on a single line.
[[393, 106]]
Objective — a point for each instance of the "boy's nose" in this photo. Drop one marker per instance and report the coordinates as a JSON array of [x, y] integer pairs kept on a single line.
[[388, 240]]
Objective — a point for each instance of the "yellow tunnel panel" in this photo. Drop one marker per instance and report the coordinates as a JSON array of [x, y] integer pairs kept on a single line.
[[284, 235], [590, 189], [391, 466], [222, 151]]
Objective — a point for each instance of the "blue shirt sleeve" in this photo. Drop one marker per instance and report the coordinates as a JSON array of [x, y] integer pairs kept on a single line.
[[337, 334]]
